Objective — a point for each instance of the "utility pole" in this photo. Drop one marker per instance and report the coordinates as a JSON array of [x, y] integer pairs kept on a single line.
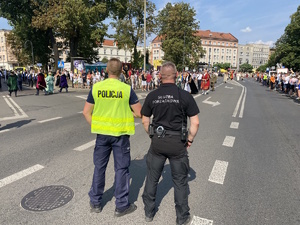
[[31, 51], [145, 35]]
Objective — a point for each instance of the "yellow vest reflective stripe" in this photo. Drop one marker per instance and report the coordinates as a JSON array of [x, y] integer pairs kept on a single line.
[[112, 114]]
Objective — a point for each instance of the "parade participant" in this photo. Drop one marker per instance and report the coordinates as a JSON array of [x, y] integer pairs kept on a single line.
[[12, 83], [20, 80], [170, 106], [63, 82], [205, 83], [40, 83], [108, 111], [49, 82], [265, 78], [57, 78], [149, 81], [187, 86], [225, 77], [192, 84], [231, 75], [214, 79]]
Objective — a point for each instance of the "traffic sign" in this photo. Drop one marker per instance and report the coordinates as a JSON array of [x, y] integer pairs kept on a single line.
[[61, 64]]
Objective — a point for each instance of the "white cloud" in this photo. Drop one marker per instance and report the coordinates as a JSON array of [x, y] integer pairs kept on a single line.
[[246, 30]]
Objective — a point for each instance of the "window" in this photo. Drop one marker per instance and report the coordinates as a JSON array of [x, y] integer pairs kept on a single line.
[[154, 45], [158, 45], [218, 51], [205, 42], [234, 51], [2, 39], [226, 43], [4, 58], [111, 51], [104, 51], [223, 50], [223, 43], [218, 43], [117, 52], [235, 44], [241, 53]]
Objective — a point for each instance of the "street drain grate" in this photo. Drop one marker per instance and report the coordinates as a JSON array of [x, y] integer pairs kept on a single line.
[[47, 198]]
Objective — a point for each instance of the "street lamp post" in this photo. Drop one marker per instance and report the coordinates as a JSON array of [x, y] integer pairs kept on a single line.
[[145, 35], [31, 50]]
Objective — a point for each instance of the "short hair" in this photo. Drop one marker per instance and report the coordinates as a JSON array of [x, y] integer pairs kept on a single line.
[[168, 71], [114, 67]]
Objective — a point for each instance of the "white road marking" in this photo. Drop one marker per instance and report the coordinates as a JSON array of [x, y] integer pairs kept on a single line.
[[243, 104], [228, 87], [2, 131], [80, 112], [44, 121], [10, 102], [136, 124], [20, 175], [229, 141], [218, 172], [196, 96], [238, 104], [201, 221], [11, 106], [18, 107], [81, 96], [211, 103], [234, 125], [85, 146]]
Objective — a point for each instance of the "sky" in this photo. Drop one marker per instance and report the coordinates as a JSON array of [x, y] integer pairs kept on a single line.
[[255, 21]]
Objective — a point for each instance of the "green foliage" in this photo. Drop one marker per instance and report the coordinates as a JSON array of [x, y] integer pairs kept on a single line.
[[224, 66], [246, 67], [129, 25], [288, 45], [177, 26], [262, 68], [19, 14], [77, 21], [104, 60]]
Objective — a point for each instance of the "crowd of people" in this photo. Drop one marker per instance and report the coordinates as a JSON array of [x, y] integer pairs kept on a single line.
[[287, 83]]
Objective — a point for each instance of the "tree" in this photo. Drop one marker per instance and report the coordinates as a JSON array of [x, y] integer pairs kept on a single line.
[[246, 67], [129, 25], [288, 45], [224, 66], [19, 13], [177, 26], [262, 68], [104, 60], [79, 22]]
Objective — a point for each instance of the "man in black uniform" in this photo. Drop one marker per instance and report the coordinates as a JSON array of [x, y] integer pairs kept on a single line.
[[170, 107]]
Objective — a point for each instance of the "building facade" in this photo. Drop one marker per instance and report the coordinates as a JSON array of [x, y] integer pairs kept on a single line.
[[254, 54], [219, 48], [7, 59], [110, 50]]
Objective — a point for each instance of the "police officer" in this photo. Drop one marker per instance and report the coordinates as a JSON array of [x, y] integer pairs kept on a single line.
[[170, 106], [108, 110]]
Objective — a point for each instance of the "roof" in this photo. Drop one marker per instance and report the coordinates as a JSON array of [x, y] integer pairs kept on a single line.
[[109, 42], [216, 35], [157, 39]]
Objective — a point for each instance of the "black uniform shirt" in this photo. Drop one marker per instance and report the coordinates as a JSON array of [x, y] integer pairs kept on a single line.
[[165, 106]]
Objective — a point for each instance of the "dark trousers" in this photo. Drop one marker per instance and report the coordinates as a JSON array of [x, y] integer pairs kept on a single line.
[[179, 169], [12, 92], [20, 85], [62, 88], [199, 85], [121, 151], [0, 82]]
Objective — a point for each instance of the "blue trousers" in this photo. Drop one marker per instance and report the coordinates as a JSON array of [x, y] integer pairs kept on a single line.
[[121, 152]]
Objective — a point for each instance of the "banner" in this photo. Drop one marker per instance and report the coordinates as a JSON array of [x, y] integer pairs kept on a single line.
[[79, 65]]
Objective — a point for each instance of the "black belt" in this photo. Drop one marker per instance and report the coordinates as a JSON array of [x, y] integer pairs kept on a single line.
[[170, 132]]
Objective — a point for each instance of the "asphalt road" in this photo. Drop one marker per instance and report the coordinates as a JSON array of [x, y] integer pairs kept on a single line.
[[245, 160]]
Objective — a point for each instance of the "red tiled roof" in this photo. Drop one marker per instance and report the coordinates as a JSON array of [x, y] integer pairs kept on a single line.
[[216, 35], [109, 43]]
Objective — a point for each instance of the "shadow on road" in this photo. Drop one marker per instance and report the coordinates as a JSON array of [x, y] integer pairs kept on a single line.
[[16, 124], [138, 171]]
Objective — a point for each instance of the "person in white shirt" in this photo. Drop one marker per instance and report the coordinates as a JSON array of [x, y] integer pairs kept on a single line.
[[286, 84], [199, 79]]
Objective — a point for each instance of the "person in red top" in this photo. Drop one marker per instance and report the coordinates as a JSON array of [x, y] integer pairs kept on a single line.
[[148, 80], [205, 83]]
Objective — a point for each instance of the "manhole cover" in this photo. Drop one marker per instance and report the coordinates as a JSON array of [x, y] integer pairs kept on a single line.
[[47, 198]]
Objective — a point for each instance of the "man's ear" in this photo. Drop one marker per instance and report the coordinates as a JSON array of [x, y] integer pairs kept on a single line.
[[159, 75], [176, 74]]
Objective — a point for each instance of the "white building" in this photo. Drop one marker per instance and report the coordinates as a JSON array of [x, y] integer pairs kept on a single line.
[[110, 50]]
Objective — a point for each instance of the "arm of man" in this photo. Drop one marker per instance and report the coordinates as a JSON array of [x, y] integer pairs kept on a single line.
[[193, 129], [136, 109], [146, 122], [87, 112]]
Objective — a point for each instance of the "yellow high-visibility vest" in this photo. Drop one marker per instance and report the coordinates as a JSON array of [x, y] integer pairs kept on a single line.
[[112, 114]]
